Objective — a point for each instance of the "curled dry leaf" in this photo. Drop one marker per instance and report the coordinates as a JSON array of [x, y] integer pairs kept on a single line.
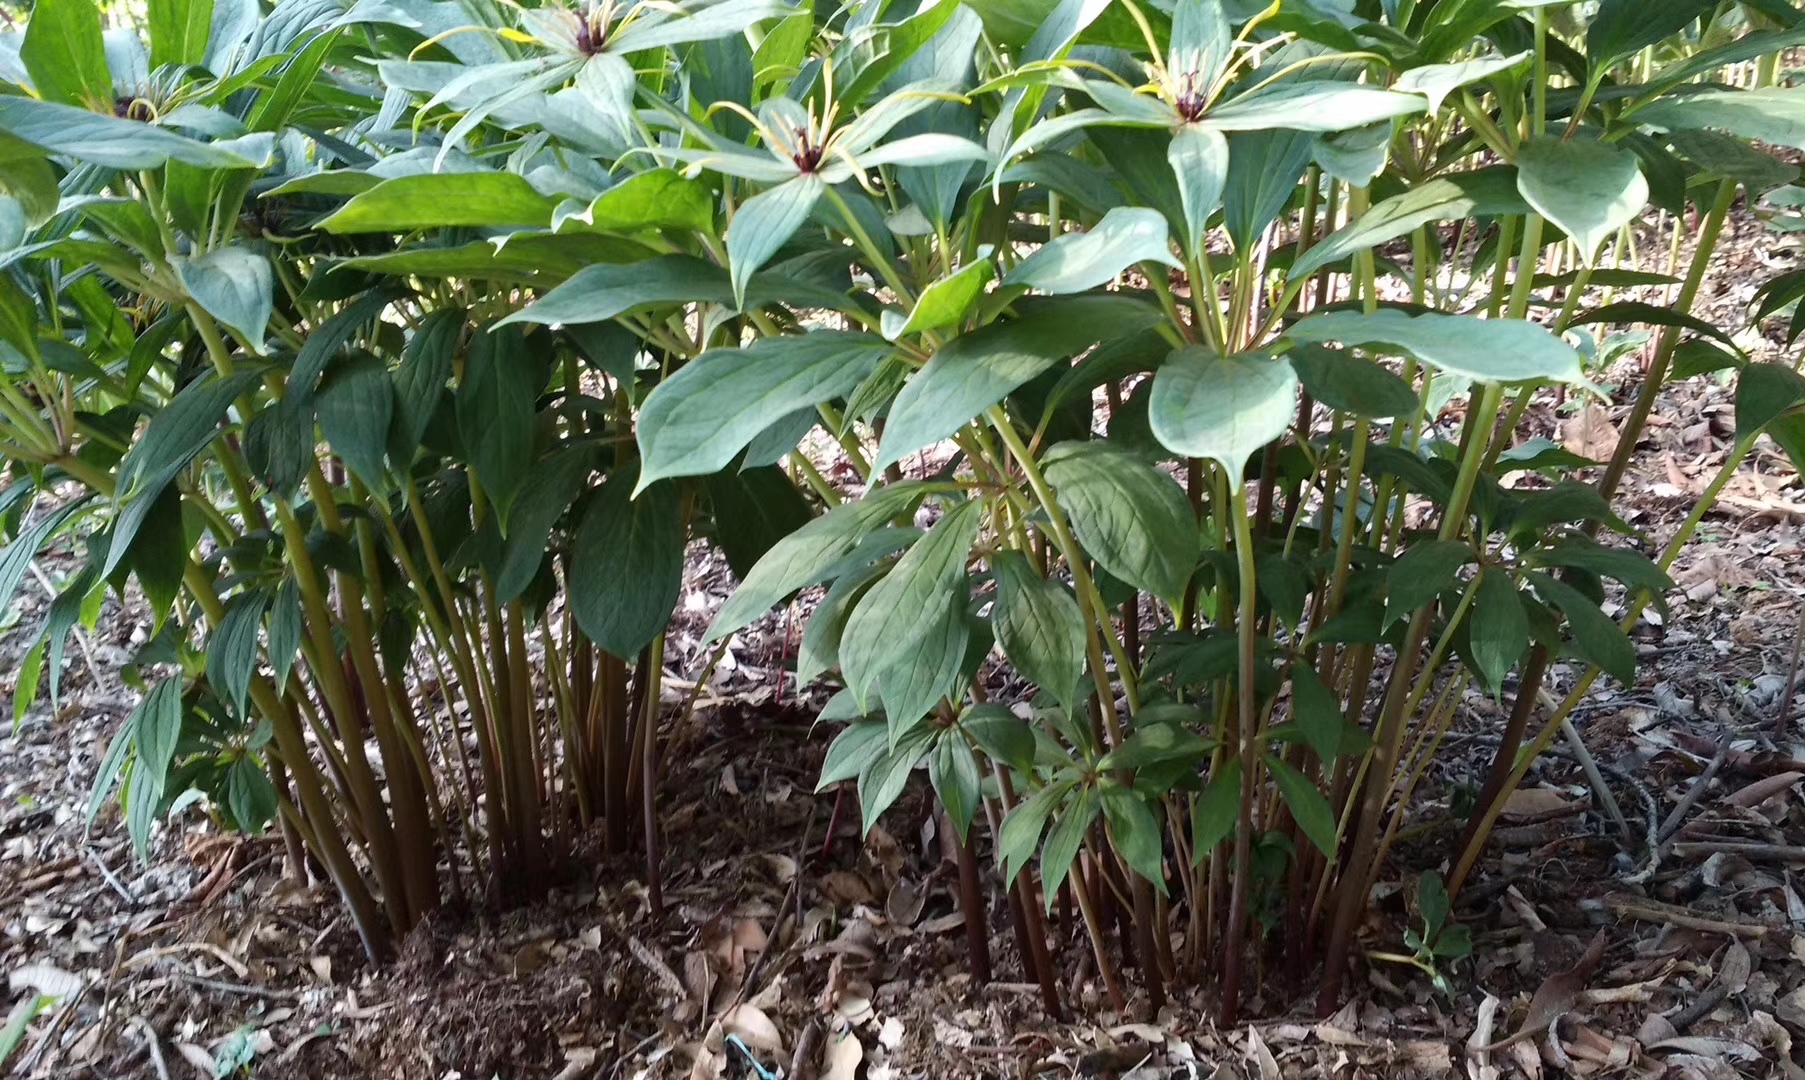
[[1262, 1057], [754, 1028]]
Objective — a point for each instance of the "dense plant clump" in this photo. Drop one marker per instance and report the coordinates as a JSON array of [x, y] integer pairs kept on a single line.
[[397, 350]]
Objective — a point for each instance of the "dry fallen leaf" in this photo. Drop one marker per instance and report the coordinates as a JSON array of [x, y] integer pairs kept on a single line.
[[1555, 997], [844, 1055], [46, 979], [1590, 434], [1261, 1056], [754, 1028]]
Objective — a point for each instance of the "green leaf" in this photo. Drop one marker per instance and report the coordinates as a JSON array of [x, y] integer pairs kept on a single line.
[[1432, 902], [108, 140], [1421, 573], [804, 557], [1349, 384], [853, 751], [945, 302], [1063, 841], [25, 686], [1222, 408], [179, 30], [1214, 813], [1199, 159], [1437, 81], [1155, 742], [26, 175], [1135, 833], [156, 727], [1772, 115], [1634, 311], [627, 565], [899, 626], [495, 409], [285, 629], [1021, 830], [1634, 569], [1596, 636], [883, 781], [443, 200], [1622, 28], [1308, 807], [1354, 157], [550, 487], [1318, 716], [1589, 188], [232, 651], [954, 773], [1486, 193], [233, 285], [1039, 626], [820, 648], [698, 419], [764, 223], [1076, 262], [1202, 38], [1498, 628], [250, 796], [655, 199], [1311, 106], [65, 53], [426, 363], [1264, 169], [159, 553], [975, 371], [355, 405], [1131, 517], [1487, 350], [597, 293], [1731, 158], [1764, 392], [16, 556], [1003, 736]]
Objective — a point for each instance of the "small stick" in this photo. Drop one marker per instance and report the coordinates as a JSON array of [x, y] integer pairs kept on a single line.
[[1776, 852], [236, 988], [1652, 911], [1590, 767], [1678, 817], [149, 1035], [1783, 722]]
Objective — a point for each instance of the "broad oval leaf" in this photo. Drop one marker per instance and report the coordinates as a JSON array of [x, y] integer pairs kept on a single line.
[[806, 556], [1772, 114], [1039, 627], [1488, 350], [900, 625], [441, 200], [976, 370], [1351, 385], [1589, 188], [1222, 408], [233, 285], [1488, 192], [698, 419], [1076, 262], [763, 223], [626, 565], [1130, 517]]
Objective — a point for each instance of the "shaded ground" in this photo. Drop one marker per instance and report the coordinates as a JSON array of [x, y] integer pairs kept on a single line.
[[833, 957]]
